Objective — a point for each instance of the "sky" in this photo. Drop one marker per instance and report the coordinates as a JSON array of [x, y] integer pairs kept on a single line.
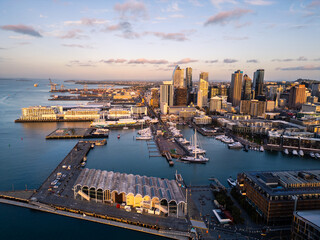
[[144, 40]]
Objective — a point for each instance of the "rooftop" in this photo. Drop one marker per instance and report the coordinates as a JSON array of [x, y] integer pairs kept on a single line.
[[312, 216], [286, 183]]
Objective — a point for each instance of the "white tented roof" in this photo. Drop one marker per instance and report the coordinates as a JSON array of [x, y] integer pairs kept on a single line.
[[129, 183]]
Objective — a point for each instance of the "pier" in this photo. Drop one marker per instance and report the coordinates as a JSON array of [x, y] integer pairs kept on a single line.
[[69, 133], [61, 201]]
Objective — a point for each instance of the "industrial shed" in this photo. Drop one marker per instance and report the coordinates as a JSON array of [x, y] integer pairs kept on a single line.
[[134, 190]]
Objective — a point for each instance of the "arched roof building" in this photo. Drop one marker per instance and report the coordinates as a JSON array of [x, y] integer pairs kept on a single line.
[[92, 181]]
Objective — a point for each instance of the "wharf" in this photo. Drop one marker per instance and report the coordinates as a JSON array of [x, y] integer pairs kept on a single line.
[[52, 120], [61, 201], [170, 146], [69, 133], [204, 132], [273, 147]]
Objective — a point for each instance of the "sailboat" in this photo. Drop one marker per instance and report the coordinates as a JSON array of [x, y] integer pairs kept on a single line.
[[196, 158]]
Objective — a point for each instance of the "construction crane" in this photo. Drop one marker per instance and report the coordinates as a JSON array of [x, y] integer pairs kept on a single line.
[[53, 86]]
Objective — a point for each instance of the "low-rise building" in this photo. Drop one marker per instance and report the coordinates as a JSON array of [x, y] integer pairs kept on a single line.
[[202, 120], [82, 114], [275, 195], [39, 113]]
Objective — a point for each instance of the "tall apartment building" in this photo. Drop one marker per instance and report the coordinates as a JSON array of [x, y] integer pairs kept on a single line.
[[236, 87], [203, 87], [166, 93], [180, 96], [247, 85], [297, 96], [258, 81], [178, 77], [189, 78]]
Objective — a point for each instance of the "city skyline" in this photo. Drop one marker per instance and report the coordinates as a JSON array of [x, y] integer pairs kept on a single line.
[[144, 40]]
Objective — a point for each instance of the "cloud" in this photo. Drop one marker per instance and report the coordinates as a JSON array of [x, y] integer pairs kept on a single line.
[[169, 36], [78, 63], [126, 29], [43, 16], [217, 3], [132, 9], [252, 61], [299, 59], [225, 17], [314, 4], [235, 38], [23, 29], [111, 60], [185, 61], [173, 7], [283, 60], [177, 16], [259, 2], [302, 59], [75, 46], [86, 22], [301, 68], [212, 61], [73, 34], [196, 3], [316, 59], [229, 60], [143, 61]]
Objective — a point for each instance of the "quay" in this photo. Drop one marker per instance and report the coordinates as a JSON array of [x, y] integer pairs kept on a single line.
[[62, 199], [69, 133], [51, 120]]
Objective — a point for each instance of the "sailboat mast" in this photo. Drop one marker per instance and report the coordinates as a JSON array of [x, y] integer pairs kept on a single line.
[[195, 143]]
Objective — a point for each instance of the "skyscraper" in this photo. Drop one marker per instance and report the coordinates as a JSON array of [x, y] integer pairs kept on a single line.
[[180, 96], [166, 93], [203, 87], [246, 92], [189, 78], [258, 78], [235, 88], [178, 77], [297, 96]]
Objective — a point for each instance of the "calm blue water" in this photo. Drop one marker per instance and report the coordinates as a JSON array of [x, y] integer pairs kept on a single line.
[[27, 159]]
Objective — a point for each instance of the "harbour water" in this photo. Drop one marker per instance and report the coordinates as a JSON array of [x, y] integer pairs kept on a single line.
[[27, 159]]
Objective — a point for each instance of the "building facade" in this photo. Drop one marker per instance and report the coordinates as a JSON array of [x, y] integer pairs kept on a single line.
[[297, 96], [275, 195], [189, 78], [247, 85], [178, 77], [166, 93], [180, 96], [204, 87], [306, 225], [258, 81], [235, 88]]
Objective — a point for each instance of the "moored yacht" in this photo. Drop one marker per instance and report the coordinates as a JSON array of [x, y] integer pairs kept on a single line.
[[286, 151], [301, 153], [294, 152], [232, 182]]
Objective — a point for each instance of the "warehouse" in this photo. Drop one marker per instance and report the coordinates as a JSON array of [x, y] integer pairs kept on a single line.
[[133, 190]]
